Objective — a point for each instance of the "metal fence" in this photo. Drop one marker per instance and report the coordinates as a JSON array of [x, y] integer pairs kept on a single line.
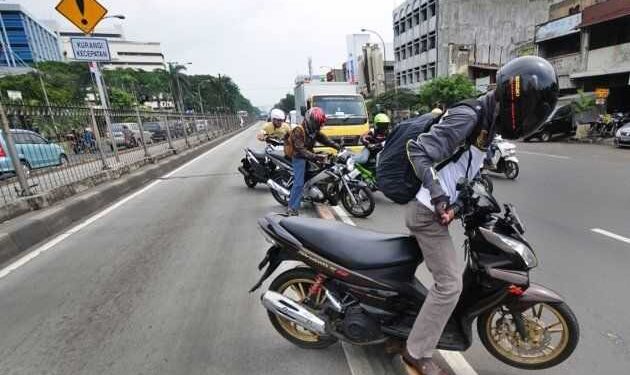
[[61, 146]]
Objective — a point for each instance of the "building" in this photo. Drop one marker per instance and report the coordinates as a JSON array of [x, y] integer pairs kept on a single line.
[[375, 76], [443, 37], [23, 40], [589, 46], [335, 75], [124, 53], [354, 45]]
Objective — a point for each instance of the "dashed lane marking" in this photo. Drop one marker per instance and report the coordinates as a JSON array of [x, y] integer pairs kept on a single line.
[[612, 235], [562, 157]]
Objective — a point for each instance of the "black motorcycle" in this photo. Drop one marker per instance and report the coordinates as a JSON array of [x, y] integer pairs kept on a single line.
[[327, 182], [359, 286], [257, 167]]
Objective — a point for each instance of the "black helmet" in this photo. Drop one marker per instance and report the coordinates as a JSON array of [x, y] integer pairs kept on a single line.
[[527, 92]]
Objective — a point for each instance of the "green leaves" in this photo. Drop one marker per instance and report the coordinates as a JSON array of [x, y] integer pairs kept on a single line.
[[446, 91], [287, 104]]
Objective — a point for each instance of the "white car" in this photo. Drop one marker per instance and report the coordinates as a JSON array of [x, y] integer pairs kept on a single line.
[[135, 129]]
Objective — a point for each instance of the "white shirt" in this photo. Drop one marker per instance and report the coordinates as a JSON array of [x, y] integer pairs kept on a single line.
[[451, 173]]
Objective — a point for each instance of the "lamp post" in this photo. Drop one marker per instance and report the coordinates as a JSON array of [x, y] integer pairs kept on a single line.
[[181, 97], [384, 58]]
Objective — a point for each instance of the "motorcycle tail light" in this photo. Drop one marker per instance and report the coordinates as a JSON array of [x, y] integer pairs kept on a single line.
[[515, 290]]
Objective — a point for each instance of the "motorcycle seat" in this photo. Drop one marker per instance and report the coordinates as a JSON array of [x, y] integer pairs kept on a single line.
[[352, 247]]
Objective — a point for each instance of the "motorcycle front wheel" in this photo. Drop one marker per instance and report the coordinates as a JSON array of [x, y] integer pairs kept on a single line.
[[364, 201], [552, 334], [511, 170]]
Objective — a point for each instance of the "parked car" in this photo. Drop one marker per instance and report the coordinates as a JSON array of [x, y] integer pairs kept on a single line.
[[622, 136], [123, 136], [33, 150], [145, 137], [560, 121], [157, 130]]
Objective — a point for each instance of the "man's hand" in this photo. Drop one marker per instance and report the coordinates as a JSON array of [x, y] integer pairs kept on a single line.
[[443, 213], [261, 136]]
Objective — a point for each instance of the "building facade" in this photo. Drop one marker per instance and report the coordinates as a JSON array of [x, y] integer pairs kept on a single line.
[[23, 40], [590, 49], [354, 45], [443, 37], [375, 75]]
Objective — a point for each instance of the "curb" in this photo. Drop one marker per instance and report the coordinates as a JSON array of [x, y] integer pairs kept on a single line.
[[21, 233]]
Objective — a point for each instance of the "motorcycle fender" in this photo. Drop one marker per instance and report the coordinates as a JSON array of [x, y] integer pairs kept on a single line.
[[512, 158], [538, 294], [358, 183], [272, 261]]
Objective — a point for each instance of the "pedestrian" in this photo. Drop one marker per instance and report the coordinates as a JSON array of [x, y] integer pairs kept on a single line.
[[526, 94], [299, 146]]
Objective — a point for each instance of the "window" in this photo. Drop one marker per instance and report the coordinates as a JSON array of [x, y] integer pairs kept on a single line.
[[409, 21], [431, 9], [396, 29], [20, 138], [424, 73], [423, 45], [403, 52], [431, 71], [35, 139], [404, 79], [416, 17], [410, 49], [416, 47], [560, 46], [610, 33], [416, 74], [432, 40], [397, 79], [403, 22], [397, 54], [423, 13]]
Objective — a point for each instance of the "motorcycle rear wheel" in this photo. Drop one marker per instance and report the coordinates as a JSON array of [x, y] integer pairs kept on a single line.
[[295, 284], [511, 169], [545, 324], [282, 179]]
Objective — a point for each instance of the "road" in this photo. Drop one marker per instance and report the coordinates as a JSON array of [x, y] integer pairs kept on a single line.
[[158, 285], [564, 191]]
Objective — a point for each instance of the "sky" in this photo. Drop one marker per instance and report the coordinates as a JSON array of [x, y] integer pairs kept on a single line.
[[261, 44]]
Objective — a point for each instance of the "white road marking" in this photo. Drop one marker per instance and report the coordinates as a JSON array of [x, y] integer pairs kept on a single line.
[[545, 155], [455, 360], [77, 228], [611, 235]]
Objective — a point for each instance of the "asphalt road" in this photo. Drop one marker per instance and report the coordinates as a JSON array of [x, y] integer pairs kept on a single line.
[[157, 286], [563, 192]]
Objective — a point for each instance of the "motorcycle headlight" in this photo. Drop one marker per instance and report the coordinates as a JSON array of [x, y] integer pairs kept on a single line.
[[511, 245], [350, 164]]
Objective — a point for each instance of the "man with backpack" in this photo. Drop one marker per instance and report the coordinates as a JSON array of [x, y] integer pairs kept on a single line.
[[444, 152], [299, 146]]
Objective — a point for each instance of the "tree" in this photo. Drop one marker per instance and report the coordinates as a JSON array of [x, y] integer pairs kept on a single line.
[[446, 91], [583, 107], [391, 101], [287, 104]]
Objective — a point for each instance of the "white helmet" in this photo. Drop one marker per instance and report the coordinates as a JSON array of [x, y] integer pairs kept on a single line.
[[277, 114]]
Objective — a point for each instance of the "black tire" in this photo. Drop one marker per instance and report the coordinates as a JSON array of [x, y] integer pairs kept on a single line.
[[511, 170], [250, 182], [367, 196], [299, 273], [486, 181], [573, 339], [282, 179], [545, 136]]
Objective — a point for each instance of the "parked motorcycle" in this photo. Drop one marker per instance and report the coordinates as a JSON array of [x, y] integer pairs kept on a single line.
[[257, 167], [329, 182], [359, 286], [503, 158]]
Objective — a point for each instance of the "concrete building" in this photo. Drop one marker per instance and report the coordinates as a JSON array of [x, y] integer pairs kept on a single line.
[[23, 40], [473, 37], [124, 53], [375, 76], [590, 48], [354, 44]]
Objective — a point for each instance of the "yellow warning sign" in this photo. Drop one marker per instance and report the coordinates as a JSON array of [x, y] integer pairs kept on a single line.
[[84, 14]]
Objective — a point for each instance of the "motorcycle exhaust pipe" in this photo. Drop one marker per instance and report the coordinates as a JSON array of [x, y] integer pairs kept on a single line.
[[292, 311], [243, 171], [275, 186]]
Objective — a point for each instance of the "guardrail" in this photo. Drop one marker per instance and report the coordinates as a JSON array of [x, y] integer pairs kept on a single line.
[[61, 146]]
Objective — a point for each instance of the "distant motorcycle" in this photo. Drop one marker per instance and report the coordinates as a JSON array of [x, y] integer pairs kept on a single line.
[[329, 182], [503, 159], [257, 167]]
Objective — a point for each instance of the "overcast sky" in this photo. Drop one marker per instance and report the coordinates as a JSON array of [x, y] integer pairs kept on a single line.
[[261, 44]]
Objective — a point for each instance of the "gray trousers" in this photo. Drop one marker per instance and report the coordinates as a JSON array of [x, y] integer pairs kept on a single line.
[[441, 259]]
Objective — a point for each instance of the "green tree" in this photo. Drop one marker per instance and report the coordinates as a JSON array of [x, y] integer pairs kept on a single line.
[[287, 104], [446, 91], [391, 100]]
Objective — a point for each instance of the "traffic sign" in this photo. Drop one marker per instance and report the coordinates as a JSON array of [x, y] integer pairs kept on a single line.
[[84, 14], [90, 49]]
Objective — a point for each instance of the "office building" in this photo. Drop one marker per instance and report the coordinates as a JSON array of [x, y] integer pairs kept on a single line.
[[354, 44], [23, 40], [443, 37], [375, 76]]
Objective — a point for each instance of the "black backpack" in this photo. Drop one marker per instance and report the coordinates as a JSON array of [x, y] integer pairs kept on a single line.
[[395, 176]]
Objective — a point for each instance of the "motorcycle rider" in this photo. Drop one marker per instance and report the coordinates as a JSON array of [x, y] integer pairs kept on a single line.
[[300, 142], [526, 94], [373, 139], [277, 128]]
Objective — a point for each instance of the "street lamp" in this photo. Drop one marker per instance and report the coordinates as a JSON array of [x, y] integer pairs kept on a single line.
[[384, 57]]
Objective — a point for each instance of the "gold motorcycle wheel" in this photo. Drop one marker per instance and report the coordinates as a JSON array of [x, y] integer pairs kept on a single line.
[[552, 333]]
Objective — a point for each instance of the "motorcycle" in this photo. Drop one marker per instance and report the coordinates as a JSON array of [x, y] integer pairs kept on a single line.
[[359, 286], [365, 170], [329, 182], [503, 159], [256, 167]]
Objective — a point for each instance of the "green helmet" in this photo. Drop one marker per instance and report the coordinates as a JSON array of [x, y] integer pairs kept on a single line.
[[381, 122]]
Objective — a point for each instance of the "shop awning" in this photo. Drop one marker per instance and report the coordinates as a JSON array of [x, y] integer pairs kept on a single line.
[[557, 28], [600, 72], [606, 11]]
